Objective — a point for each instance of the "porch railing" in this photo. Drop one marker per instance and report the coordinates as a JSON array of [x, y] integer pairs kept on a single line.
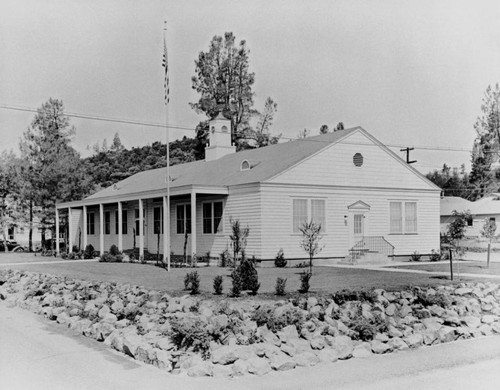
[[373, 244]]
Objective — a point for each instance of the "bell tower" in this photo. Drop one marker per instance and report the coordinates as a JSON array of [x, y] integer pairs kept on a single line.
[[219, 138]]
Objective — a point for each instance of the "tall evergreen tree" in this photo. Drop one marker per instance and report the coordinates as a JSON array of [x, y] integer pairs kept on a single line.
[[56, 171], [486, 148]]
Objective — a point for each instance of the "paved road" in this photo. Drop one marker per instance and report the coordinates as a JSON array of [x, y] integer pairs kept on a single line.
[[38, 354]]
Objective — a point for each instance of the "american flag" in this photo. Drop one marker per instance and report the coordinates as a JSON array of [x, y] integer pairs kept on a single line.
[[165, 65]]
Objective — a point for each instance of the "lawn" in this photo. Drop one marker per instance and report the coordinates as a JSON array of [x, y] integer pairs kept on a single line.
[[325, 279], [472, 267]]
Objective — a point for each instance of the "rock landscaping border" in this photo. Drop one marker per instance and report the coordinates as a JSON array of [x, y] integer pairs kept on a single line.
[[234, 337]]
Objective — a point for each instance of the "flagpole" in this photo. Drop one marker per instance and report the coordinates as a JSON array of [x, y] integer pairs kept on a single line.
[[167, 98]]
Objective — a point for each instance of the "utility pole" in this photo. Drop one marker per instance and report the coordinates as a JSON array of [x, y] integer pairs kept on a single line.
[[407, 150]]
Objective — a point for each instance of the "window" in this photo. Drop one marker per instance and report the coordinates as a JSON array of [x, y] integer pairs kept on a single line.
[[107, 222], [10, 233], [212, 217], [158, 220], [124, 221], [403, 217], [183, 218], [305, 210], [90, 223], [358, 223], [137, 232]]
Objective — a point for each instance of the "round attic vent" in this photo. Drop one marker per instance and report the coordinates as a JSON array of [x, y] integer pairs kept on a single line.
[[245, 165], [357, 159]]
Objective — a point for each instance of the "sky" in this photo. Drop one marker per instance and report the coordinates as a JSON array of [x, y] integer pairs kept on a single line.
[[412, 73]]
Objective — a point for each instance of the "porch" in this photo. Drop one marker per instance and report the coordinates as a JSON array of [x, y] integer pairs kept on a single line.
[[189, 216]]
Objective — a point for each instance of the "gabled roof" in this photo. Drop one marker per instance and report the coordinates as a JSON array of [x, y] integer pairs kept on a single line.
[[266, 162], [487, 205], [449, 204]]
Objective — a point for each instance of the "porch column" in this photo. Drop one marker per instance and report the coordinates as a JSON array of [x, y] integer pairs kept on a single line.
[[70, 232], [101, 228], [193, 224], [141, 228], [84, 227], [120, 231], [166, 235], [57, 231]]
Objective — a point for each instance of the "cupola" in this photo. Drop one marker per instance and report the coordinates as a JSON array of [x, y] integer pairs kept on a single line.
[[219, 138]]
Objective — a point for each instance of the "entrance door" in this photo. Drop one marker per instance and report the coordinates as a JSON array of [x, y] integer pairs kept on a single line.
[[358, 227]]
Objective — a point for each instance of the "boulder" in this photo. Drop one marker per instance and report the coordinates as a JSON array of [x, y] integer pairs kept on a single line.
[[447, 334], [362, 350], [327, 355], [489, 319], [471, 321], [380, 347], [165, 344], [131, 342], [288, 332], [414, 340], [258, 366], [343, 345], [282, 362], [224, 355], [317, 342], [306, 359], [219, 371], [203, 368], [397, 344], [240, 367], [390, 310]]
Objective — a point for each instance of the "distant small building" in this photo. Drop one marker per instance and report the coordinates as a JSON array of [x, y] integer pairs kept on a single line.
[[486, 208], [365, 197]]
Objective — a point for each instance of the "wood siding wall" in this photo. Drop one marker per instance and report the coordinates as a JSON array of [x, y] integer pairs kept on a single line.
[[277, 213], [334, 166]]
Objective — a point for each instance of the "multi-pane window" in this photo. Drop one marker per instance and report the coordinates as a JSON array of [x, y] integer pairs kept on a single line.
[[403, 217], [306, 210], [90, 223], [183, 218], [358, 223], [212, 217], [136, 220], [107, 222], [124, 221], [158, 220]]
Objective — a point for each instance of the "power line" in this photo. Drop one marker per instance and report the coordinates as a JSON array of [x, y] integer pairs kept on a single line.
[[188, 128]]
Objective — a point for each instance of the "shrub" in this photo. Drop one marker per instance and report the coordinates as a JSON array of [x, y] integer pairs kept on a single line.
[[439, 299], [88, 253], [415, 256], [253, 283], [304, 282], [236, 282], [191, 334], [225, 259], [218, 284], [280, 286], [248, 274], [345, 295], [109, 258], [365, 329], [265, 315], [302, 265], [192, 282], [113, 250], [435, 255], [279, 260]]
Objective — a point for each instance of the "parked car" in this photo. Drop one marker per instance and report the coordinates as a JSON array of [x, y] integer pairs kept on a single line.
[[12, 246]]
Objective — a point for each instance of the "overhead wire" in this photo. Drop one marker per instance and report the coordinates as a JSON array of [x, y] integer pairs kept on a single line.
[[190, 128]]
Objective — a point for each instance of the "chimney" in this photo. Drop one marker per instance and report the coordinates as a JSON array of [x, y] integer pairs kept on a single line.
[[219, 138]]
